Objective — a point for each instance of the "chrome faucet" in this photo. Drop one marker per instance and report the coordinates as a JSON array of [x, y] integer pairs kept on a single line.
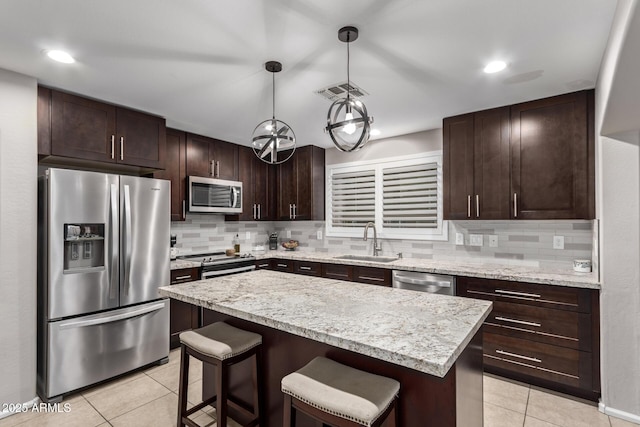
[[376, 248]]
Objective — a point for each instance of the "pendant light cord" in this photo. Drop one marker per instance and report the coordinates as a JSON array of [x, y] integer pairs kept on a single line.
[[273, 87], [348, 77]]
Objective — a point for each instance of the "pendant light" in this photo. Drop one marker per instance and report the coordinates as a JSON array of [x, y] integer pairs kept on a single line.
[[348, 123], [273, 140]]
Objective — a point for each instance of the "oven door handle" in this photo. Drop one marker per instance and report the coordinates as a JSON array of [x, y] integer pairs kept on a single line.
[[209, 274]]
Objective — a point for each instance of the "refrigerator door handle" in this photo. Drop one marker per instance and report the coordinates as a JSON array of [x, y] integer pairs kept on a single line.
[[111, 319], [126, 237], [113, 258]]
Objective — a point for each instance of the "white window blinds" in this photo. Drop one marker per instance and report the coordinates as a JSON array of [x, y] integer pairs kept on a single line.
[[410, 196], [353, 198]]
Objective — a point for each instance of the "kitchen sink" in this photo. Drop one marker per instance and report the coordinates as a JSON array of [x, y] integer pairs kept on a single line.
[[368, 258]]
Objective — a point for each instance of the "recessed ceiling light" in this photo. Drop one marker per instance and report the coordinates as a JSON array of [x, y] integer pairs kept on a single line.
[[60, 56], [374, 132], [495, 66]]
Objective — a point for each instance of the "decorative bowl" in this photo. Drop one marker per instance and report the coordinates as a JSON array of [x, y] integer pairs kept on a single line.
[[291, 245]]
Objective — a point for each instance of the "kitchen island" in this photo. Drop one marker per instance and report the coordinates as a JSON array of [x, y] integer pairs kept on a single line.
[[430, 343]]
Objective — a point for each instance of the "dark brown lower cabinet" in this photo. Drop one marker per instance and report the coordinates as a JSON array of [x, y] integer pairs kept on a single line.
[[338, 271], [182, 316], [307, 268], [372, 275], [540, 334]]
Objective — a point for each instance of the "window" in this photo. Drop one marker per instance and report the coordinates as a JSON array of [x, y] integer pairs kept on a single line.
[[401, 195]]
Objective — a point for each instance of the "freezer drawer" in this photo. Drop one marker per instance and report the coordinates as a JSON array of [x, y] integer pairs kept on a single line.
[[85, 350]]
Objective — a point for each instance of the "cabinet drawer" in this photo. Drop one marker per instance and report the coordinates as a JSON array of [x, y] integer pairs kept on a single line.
[[548, 362], [282, 265], [308, 268], [185, 275], [548, 296], [557, 327], [337, 271], [263, 264], [372, 275]]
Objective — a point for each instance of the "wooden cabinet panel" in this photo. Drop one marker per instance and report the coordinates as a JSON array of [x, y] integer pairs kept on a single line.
[[307, 268], [175, 171], [184, 275], [490, 197], [141, 139], [301, 185], [182, 316], [282, 265], [337, 271], [263, 264], [258, 187], [198, 163], [210, 157], [224, 155], [550, 156], [551, 363], [82, 128], [372, 275], [458, 163], [44, 121]]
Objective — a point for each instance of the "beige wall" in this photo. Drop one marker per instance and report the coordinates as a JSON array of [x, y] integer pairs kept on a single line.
[[618, 201], [18, 219], [403, 145]]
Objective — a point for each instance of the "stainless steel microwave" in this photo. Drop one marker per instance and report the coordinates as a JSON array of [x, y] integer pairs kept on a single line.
[[214, 195]]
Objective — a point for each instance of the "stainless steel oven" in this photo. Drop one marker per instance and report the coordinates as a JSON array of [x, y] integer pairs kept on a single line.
[[209, 195], [217, 264]]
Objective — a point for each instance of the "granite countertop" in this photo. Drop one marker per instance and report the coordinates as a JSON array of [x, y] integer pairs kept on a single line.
[[455, 268], [421, 331], [177, 264]]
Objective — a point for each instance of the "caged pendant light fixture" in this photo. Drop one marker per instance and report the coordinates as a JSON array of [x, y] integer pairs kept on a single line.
[[348, 123], [273, 140]]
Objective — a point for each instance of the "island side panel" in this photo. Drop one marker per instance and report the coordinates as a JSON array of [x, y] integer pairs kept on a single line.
[[422, 396]]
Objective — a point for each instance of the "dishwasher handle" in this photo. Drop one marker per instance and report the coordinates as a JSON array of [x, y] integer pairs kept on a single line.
[[440, 283]]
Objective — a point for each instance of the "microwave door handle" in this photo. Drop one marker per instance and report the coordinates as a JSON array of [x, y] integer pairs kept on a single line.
[[126, 236], [113, 256], [234, 197]]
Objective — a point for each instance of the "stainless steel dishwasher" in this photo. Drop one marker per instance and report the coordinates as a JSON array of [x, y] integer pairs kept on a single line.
[[424, 282]]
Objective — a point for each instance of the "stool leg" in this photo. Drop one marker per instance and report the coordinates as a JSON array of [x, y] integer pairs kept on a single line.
[[257, 386], [184, 384], [289, 416], [221, 391]]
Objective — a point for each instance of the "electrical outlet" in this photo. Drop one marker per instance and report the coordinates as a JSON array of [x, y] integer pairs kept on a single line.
[[459, 239], [288, 234], [558, 242], [319, 234], [493, 241], [475, 239], [248, 236]]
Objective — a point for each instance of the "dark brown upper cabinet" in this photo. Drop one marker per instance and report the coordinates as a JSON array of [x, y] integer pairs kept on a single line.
[[527, 161], [258, 187], [88, 130], [301, 185], [176, 172], [552, 158], [210, 157]]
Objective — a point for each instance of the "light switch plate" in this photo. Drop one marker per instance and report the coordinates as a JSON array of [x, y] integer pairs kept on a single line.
[[248, 236], [475, 239], [319, 234], [493, 241], [558, 242], [288, 234], [459, 239]]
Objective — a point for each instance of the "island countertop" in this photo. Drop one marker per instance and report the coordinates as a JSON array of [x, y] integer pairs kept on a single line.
[[421, 331]]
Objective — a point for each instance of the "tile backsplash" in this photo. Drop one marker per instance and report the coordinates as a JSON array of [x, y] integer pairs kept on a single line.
[[527, 243]]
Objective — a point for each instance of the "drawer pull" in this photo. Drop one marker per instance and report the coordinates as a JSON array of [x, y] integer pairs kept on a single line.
[[520, 322], [183, 277], [375, 279], [519, 294], [263, 265], [531, 359], [305, 268], [283, 265]]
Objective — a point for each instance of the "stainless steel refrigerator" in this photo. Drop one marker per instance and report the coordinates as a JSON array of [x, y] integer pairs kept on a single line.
[[102, 254]]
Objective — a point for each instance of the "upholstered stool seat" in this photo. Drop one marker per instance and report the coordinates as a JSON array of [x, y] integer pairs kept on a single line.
[[339, 395], [220, 345]]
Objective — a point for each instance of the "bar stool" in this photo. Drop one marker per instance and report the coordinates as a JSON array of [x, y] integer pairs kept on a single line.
[[339, 395], [221, 345]]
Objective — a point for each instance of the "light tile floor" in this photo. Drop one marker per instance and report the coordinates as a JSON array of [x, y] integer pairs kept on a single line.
[[149, 398]]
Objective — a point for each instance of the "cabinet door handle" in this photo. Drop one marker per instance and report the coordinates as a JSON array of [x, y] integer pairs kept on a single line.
[[254, 211], [263, 265], [515, 205], [212, 168], [113, 146], [290, 211], [519, 322], [518, 294], [468, 205], [477, 206], [519, 356], [295, 208], [283, 265], [375, 279], [188, 276], [259, 211], [184, 209], [217, 169], [305, 268], [122, 148]]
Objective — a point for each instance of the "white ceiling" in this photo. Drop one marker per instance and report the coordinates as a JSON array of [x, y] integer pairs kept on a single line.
[[199, 63]]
